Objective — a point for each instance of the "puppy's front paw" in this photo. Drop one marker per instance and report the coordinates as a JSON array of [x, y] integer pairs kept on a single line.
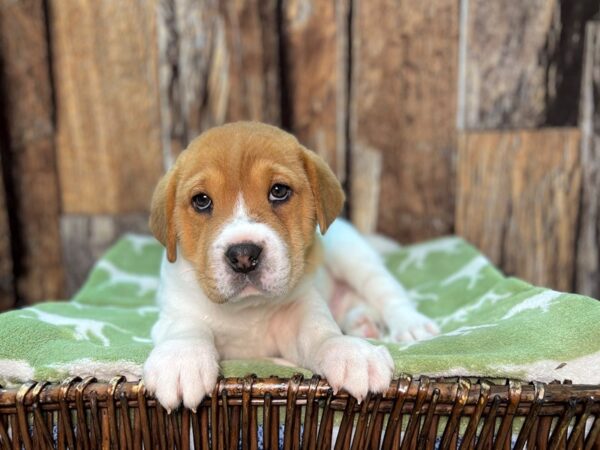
[[355, 365], [406, 324], [181, 370]]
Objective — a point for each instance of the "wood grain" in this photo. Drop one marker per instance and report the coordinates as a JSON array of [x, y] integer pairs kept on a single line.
[[7, 288], [518, 201], [87, 237], [315, 39], [588, 245], [105, 70], [29, 155], [219, 62], [521, 62], [365, 189], [403, 103]]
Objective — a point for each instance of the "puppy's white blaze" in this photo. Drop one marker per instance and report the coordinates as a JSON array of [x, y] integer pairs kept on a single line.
[[274, 266]]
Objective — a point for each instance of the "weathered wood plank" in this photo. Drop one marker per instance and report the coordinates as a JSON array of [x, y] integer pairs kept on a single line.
[[403, 103], [105, 70], [29, 152], [219, 61], [315, 39], [521, 62], [588, 245], [364, 190], [7, 288], [87, 237], [518, 201]]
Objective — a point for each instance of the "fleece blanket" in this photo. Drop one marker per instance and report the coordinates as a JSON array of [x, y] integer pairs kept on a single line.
[[493, 326]]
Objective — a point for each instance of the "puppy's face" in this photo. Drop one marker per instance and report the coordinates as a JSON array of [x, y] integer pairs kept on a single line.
[[241, 204]]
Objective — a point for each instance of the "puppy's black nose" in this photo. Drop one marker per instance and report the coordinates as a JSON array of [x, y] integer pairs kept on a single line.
[[243, 258]]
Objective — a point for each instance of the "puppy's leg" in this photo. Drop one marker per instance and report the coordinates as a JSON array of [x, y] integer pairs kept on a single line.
[[354, 316], [307, 335], [351, 259], [184, 364]]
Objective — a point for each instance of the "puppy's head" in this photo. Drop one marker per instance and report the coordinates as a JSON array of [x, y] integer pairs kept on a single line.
[[241, 204]]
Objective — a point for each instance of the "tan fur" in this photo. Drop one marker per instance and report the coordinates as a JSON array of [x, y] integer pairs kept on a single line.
[[247, 158]]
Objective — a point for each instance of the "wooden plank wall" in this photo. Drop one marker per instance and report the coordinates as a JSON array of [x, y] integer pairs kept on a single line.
[[519, 186], [28, 152], [315, 76], [520, 62], [434, 115], [7, 294], [218, 62], [588, 260], [518, 200], [403, 106]]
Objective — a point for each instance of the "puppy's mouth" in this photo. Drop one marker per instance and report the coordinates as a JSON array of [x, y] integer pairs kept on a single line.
[[247, 286]]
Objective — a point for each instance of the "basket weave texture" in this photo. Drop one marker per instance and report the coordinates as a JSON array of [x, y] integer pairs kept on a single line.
[[251, 413]]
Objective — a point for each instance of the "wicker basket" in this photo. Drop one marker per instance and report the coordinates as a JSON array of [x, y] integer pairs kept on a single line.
[[295, 413]]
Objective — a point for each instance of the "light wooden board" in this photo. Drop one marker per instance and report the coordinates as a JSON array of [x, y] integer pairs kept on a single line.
[[518, 201], [316, 45], [219, 61], [86, 237], [521, 62], [588, 245], [105, 71], [403, 104], [29, 153]]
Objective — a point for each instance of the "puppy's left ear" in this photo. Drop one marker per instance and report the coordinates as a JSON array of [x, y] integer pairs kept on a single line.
[[327, 191], [161, 213]]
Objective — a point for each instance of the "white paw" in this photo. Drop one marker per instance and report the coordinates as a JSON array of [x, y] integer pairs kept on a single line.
[[406, 324], [359, 322], [355, 365], [181, 370]]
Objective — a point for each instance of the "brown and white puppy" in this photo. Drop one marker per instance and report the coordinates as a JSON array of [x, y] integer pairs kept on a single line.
[[246, 276]]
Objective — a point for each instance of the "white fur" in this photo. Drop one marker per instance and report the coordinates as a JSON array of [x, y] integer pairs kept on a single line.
[[350, 259], [193, 333]]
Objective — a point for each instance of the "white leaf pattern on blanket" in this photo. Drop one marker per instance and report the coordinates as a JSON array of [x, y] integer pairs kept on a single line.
[[416, 295], [138, 241], [541, 301], [471, 271], [145, 310], [83, 327], [419, 253], [145, 283], [462, 314]]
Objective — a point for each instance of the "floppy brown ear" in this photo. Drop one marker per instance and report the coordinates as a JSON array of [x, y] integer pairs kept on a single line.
[[326, 189], [161, 214]]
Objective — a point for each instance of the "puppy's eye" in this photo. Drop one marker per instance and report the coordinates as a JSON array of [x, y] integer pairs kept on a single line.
[[279, 193], [202, 203]]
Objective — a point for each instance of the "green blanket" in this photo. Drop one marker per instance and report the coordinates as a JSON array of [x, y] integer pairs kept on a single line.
[[493, 326]]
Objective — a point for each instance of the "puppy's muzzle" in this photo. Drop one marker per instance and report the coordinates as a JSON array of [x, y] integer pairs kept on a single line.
[[243, 258]]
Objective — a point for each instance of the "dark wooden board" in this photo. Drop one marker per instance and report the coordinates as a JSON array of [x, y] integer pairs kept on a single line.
[[520, 62], [7, 288]]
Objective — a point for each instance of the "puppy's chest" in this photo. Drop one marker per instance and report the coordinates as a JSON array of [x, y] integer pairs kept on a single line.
[[244, 334]]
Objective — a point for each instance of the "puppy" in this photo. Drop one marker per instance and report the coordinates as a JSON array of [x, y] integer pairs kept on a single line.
[[245, 274]]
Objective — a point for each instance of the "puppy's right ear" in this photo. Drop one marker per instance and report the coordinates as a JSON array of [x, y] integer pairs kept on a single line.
[[161, 213]]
